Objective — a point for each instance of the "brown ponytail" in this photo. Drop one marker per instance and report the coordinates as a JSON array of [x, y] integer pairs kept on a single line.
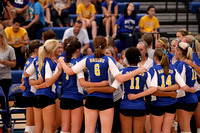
[[71, 48], [99, 46], [31, 47], [162, 57]]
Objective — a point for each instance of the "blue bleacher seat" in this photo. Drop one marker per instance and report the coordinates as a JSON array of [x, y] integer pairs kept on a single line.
[[58, 30], [16, 76], [194, 6], [121, 7]]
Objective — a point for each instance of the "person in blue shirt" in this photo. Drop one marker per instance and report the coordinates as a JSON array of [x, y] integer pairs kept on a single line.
[[110, 11], [98, 103], [163, 107], [35, 17], [125, 25], [186, 101], [28, 94], [195, 45], [44, 98]]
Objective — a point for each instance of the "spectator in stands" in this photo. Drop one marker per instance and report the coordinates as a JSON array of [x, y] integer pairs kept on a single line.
[[126, 24], [181, 34], [86, 13], [45, 6], [35, 19], [174, 43], [7, 60], [110, 11], [5, 15], [18, 7], [60, 12], [18, 39], [149, 23], [148, 38], [80, 33]]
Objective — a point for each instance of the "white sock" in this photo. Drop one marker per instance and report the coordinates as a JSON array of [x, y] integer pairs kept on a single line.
[[30, 129], [198, 130], [64, 132]]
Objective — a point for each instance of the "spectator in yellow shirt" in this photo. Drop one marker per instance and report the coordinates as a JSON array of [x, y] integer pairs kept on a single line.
[[18, 39], [149, 23], [86, 13]]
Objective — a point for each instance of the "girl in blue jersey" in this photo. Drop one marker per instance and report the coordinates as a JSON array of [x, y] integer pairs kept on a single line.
[[44, 98], [195, 45], [98, 103], [28, 95], [125, 25], [187, 101], [163, 108], [132, 108]]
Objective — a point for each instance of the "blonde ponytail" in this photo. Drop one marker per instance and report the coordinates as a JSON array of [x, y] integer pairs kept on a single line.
[[48, 47]]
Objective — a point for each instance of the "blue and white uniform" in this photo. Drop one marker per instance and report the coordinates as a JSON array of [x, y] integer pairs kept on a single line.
[[27, 92], [189, 76], [71, 86], [98, 71], [134, 86], [164, 81], [196, 60], [46, 72]]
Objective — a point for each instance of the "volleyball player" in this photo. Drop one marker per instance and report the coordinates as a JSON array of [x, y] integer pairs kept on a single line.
[[44, 99]]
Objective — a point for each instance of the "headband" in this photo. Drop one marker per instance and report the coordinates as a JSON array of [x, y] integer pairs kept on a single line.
[[162, 43]]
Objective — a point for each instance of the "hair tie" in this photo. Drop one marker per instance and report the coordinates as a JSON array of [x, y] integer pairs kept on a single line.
[[27, 46], [140, 58], [98, 47], [177, 40], [164, 51], [162, 43], [193, 42]]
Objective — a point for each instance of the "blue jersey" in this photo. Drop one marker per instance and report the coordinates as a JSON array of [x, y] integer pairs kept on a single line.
[[189, 75], [134, 86], [27, 92], [175, 64], [164, 81], [98, 71], [196, 59], [46, 72], [126, 25], [71, 87]]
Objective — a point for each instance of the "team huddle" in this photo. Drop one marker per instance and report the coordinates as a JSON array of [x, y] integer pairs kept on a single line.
[[170, 82]]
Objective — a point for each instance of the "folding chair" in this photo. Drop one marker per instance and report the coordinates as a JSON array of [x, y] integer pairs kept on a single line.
[[13, 91]]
